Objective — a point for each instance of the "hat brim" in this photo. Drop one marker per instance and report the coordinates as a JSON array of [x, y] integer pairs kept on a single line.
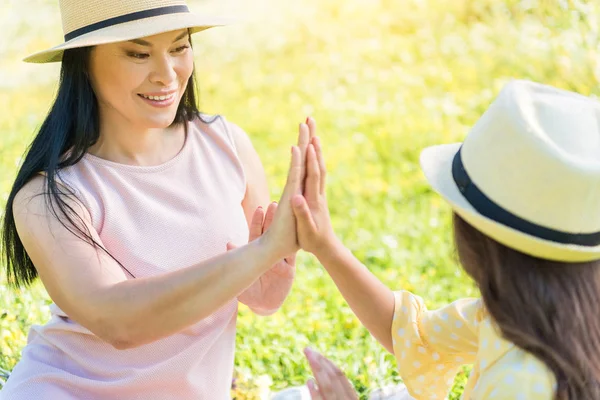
[[436, 163], [131, 30]]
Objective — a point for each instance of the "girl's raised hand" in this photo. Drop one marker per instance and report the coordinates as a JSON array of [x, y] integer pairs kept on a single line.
[[314, 230]]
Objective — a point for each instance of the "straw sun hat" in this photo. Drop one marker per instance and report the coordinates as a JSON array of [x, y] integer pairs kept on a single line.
[[93, 22], [528, 173]]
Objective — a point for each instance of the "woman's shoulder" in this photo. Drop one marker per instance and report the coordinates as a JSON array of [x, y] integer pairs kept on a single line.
[[218, 135], [34, 188], [32, 200], [38, 186], [228, 133], [219, 125]]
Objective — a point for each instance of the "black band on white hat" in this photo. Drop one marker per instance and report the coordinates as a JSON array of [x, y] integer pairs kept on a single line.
[[126, 18], [488, 208]]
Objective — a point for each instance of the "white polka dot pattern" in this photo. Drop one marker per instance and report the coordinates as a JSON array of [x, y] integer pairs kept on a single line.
[[432, 345], [437, 343]]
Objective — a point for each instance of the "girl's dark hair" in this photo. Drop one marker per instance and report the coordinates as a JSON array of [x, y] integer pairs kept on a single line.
[[69, 129], [547, 308]]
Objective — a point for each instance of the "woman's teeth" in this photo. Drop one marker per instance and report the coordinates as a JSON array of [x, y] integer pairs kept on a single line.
[[158, 98]]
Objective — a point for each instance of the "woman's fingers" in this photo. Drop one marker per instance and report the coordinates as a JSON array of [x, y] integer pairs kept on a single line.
[[256, 225], [270, 215], [294, 178], [312, 128], [304, 135]]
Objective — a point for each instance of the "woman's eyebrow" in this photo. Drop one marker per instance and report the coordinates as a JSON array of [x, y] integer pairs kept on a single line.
[[145, 43]]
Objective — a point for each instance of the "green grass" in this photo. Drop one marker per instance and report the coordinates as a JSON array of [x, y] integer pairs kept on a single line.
[[383, 80]]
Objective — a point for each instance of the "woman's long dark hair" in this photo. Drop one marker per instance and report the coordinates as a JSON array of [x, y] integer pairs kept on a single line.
[[547, 308], [70, 128]]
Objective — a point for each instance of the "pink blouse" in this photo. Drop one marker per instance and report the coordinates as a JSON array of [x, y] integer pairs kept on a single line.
[[153, 220]]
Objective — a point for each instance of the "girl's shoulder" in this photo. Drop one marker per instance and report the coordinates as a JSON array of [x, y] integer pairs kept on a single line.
[[508, 372]]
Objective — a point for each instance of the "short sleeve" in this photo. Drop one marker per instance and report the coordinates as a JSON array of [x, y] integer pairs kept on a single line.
[[430, 346], [231, 130]]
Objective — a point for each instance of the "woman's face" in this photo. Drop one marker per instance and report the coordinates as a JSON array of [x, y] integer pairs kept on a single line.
[[142, 81]]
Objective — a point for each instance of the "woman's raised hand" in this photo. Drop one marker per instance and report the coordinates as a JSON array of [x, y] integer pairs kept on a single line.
[[281, 236]]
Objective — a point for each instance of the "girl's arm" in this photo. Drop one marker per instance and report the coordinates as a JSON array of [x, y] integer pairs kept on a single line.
[[369, 298], [429, 346]]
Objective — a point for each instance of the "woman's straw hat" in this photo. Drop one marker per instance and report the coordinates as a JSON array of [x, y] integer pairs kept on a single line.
[[528, 173], [93, 22]]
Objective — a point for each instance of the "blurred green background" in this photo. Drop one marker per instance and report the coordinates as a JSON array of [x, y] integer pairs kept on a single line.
[[383, 79]]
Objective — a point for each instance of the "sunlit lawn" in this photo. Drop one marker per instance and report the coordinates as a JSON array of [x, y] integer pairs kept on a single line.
[[383, 80]]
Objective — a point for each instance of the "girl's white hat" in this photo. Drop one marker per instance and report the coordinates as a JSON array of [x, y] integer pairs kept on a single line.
[[528, 173], [94, 22]]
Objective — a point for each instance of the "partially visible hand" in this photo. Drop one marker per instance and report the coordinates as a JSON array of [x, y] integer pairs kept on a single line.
[[281, 237], [259, 225], [314, 230], [331, 383], [268, 293]]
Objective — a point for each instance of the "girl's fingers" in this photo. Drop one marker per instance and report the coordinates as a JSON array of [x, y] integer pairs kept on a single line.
[[335, 378], [313, 177], [304, 221], [321, 374], [314, 392], [341, 385], [303, 142], [321, 161]]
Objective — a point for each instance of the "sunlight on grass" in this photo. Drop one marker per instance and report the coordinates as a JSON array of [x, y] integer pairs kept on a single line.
[[383, 79]]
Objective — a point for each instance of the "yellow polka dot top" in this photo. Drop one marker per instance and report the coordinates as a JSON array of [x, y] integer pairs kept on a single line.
[[431, 346]]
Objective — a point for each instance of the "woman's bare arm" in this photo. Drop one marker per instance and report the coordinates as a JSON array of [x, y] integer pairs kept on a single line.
[[92, 289]]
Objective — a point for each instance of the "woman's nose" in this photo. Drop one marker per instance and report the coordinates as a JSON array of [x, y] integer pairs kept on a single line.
[[164, 71]]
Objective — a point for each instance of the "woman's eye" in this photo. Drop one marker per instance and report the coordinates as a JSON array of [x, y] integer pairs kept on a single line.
[[143, 56], [139, 56], [181, 49]]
